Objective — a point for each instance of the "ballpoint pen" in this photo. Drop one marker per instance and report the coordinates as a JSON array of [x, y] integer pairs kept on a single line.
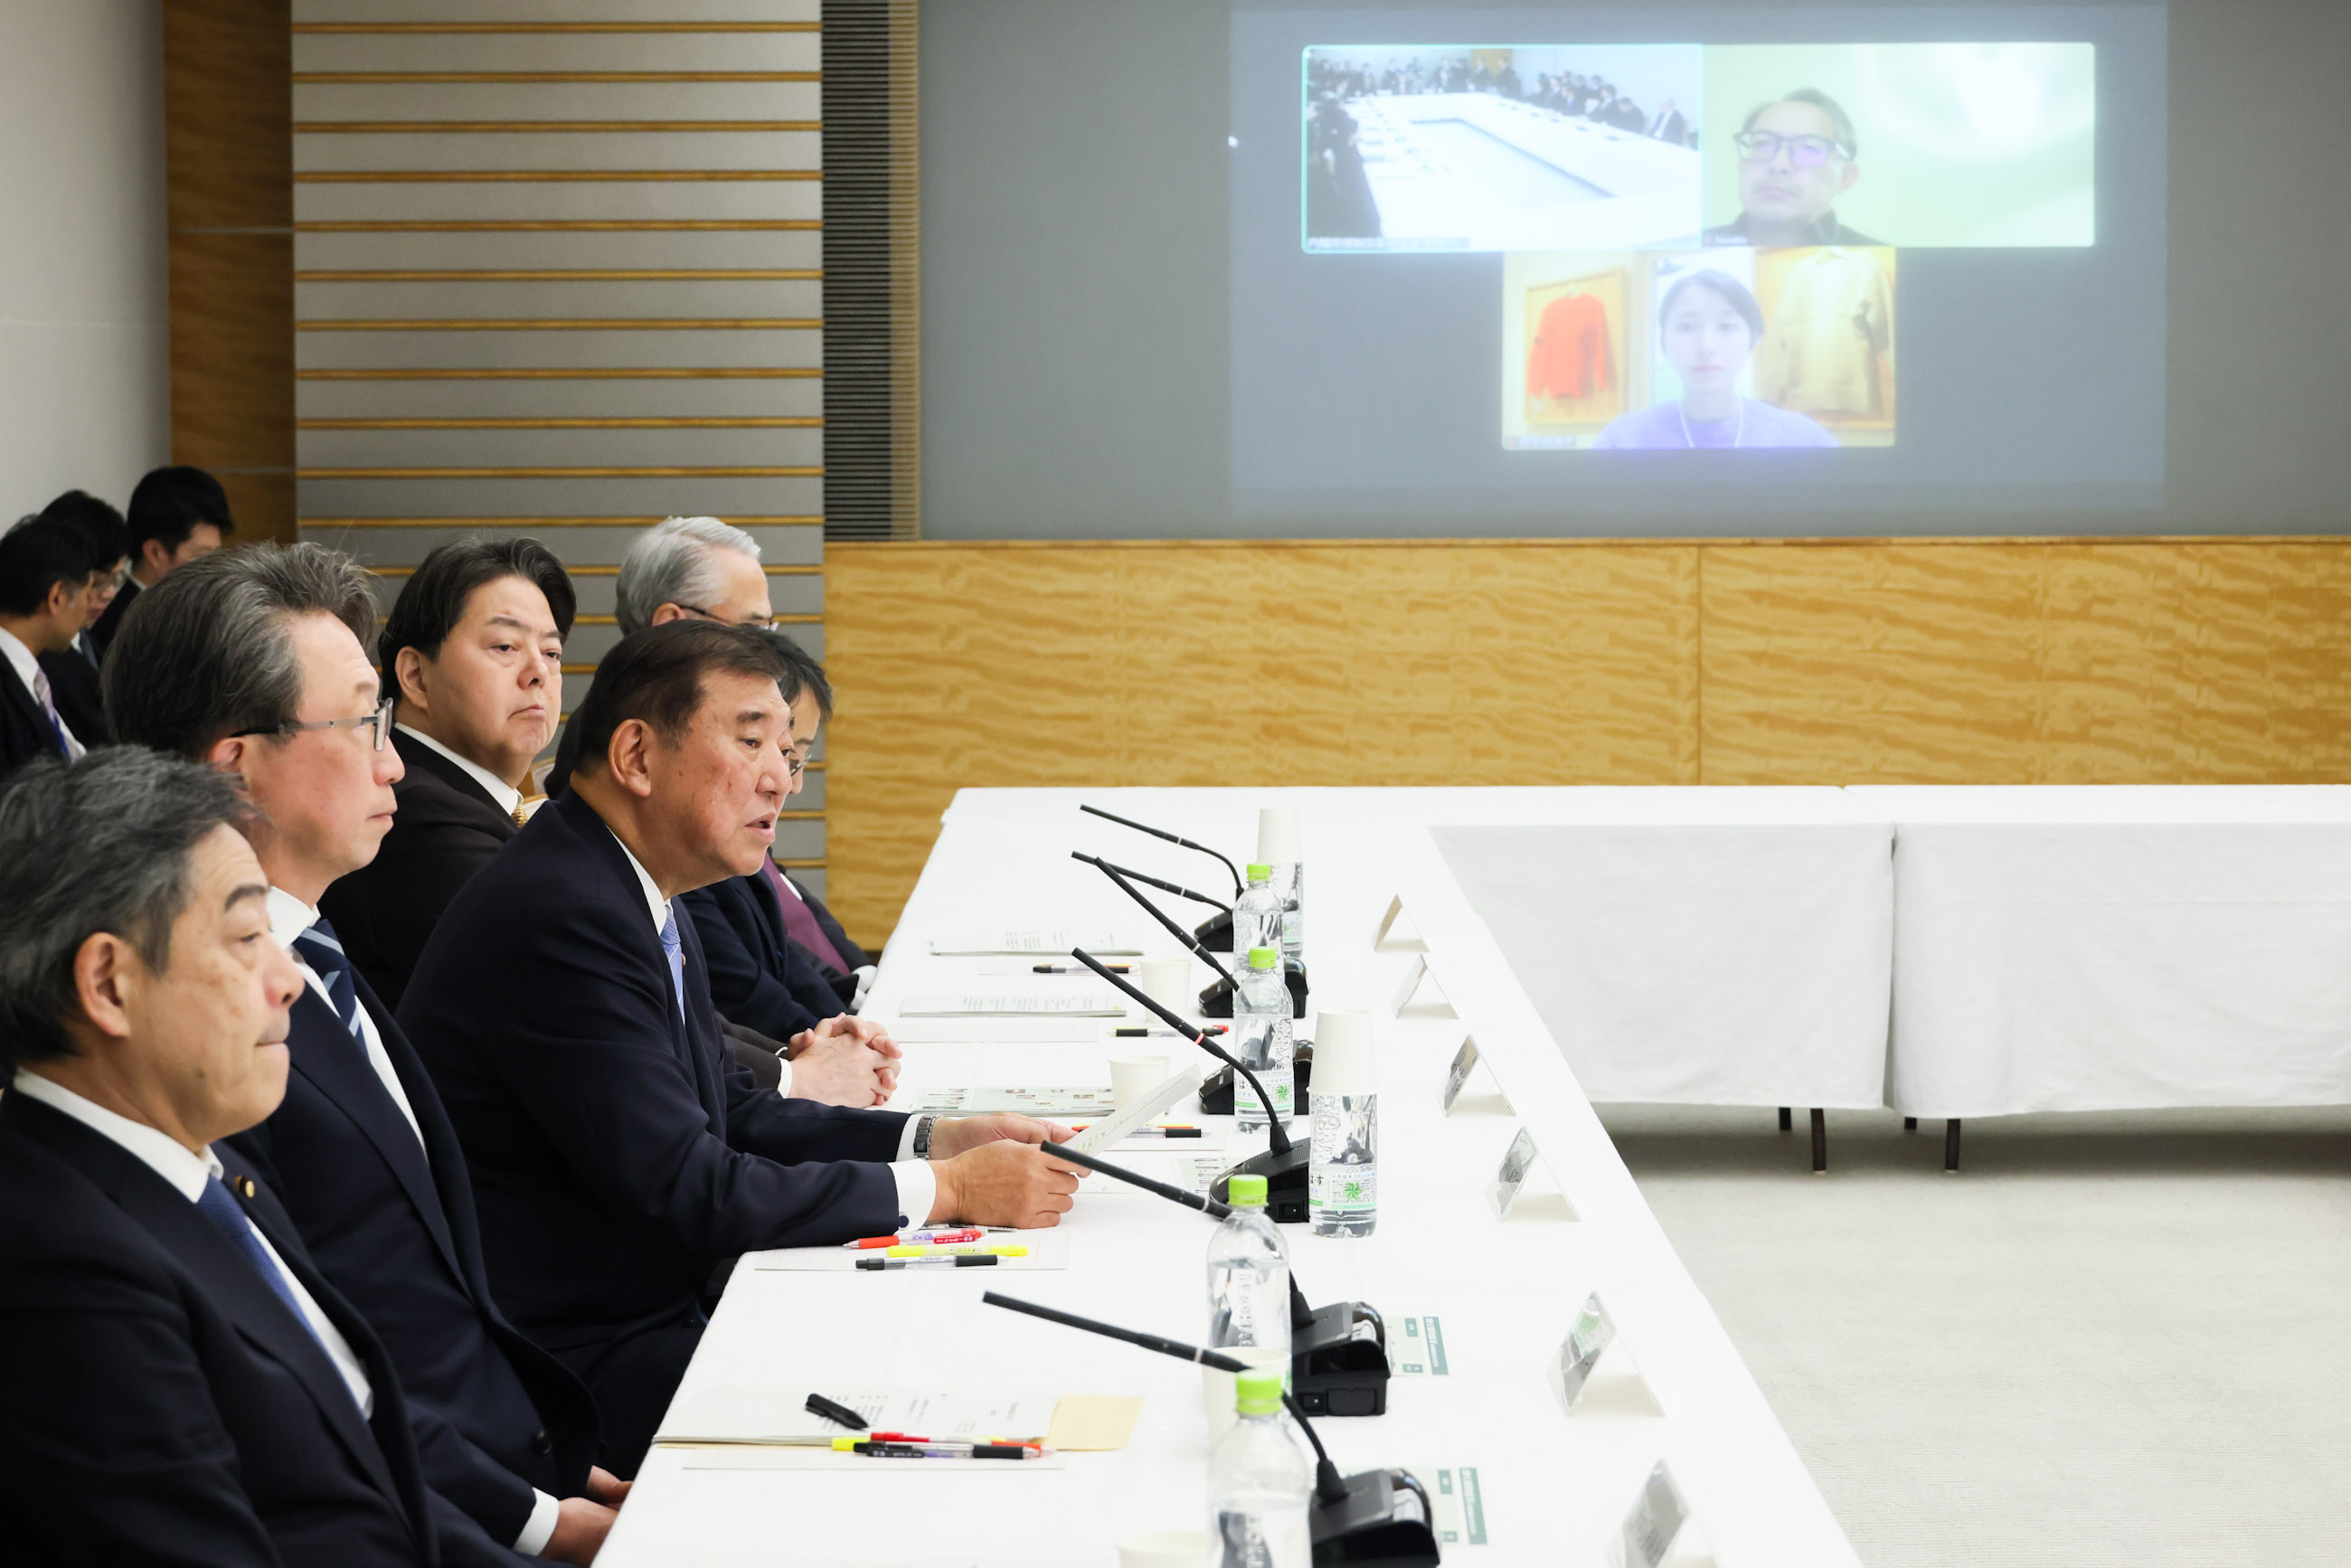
[[935, 1260]]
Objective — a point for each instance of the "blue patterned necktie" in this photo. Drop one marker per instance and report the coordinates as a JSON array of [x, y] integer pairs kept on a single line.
[[323, 951], [216, 1204], [674, 949]]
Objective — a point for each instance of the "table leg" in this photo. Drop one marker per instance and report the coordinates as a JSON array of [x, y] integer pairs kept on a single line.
[[1951, 1146], [1785, 1124], [1909, 1123], [1820, 1141]]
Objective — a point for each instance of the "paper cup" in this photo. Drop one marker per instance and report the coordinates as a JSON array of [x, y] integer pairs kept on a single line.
[[1164, 1549], [1168, 982], [1132, 1078]]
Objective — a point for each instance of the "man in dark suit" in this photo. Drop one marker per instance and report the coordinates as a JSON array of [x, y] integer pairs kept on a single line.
[[251, 661], [44, 569], [472, 654], [73, 670], [182, 1385], [563, 1005], [177, 514]]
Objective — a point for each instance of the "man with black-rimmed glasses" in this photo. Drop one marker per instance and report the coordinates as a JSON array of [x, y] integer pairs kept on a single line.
[[1796, 156]]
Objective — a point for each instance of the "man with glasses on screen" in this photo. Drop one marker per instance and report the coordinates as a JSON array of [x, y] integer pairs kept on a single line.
[[1796, 157]]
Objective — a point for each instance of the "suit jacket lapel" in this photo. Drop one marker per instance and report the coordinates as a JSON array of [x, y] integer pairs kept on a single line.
[[325, 1054], [20, 697], [250, 1302]]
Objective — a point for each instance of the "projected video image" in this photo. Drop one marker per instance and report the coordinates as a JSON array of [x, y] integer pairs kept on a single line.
[[1742, 348], [1502, 149], [1904, 144]]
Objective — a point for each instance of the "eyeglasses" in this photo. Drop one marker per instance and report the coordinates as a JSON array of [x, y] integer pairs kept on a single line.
[[381, 720], [767, 623], [795, 762], [1803, 151]]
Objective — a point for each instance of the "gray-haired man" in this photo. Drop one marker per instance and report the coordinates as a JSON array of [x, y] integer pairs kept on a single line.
[[183, 1383]]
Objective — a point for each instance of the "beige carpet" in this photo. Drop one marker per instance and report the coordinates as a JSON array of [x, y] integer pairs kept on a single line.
[[2112, 1339]]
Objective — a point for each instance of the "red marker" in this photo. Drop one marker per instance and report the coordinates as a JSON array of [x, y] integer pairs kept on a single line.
[[914, 1238]]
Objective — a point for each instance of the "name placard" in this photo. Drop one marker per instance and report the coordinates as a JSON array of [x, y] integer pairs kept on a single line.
[[1465, 1061], [1656, 1518], [1397, 934], [1517, 1160], [1581, 1351]]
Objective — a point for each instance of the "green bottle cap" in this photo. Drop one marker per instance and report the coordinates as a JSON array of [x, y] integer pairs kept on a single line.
[[1259, 872], [1264, 957], [1258, 1390], [1246, 1192]]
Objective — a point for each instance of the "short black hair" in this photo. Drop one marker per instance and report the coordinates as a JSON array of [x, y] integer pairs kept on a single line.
[[170, 503], [802, 674], [134, 818], [434, 601], [99, 524], [1734, 293], [37, 554], [1839, 122], [656, 676]]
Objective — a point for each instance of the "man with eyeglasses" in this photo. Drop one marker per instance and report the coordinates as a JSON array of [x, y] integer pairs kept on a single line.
[[255, 661], [1796, 156]]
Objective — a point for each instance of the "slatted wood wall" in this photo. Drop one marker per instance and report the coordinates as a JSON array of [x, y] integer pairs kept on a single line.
[[1464, 662], [556, 271]]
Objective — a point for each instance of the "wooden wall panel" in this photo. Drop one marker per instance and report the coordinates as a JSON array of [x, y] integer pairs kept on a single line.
[[2059, 663], [229, 160], [1224, 664]]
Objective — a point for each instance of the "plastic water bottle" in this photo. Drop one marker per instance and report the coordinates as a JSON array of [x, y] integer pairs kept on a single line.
[[1277, 846], [1259, 1483], [1257, 918], [1261, 1042], [1343, 1174], [1249, 1294]]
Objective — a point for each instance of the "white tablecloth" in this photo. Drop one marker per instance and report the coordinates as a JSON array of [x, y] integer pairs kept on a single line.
[[1554, 1484], [2077, 949], [1697, 947]]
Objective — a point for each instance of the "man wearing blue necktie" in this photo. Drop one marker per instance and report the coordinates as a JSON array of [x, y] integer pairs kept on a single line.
[[253, 661], [181, 1384]]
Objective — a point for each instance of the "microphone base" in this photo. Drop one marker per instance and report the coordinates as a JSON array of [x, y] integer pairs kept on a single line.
[[1215, 932], [1285, 1181], [1217, 1000], [1373, 1526], [1217, 1089], [1331, 1370]]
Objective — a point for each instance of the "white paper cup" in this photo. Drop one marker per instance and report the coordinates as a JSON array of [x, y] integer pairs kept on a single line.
[[1164, 1549], [1220, 1390], [1168, 982], [1277, 835], [1132, 1078]]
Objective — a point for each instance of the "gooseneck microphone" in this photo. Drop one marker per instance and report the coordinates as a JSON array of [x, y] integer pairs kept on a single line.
[[1191, 943], [1134, 875], [1359, 1519], [1275, 1133], [1239, 886], [1334, 1370]]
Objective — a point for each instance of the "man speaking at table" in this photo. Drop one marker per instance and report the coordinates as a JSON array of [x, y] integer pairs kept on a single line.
[[563, 1007]]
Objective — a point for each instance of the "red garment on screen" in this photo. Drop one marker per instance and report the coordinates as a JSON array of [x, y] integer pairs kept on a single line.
[[1570, 357]]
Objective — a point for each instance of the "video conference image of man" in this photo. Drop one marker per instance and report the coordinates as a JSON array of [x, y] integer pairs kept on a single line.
[[1796, 157]]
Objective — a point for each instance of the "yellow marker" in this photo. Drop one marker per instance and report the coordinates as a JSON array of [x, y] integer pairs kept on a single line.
[[845, 1445]]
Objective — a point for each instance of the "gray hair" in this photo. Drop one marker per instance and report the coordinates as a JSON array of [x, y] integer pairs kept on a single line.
[[671, 564], [208, 652], [132, 818]]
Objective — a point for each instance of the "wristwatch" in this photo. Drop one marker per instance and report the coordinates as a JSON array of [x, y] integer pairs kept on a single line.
[[923, 1137]]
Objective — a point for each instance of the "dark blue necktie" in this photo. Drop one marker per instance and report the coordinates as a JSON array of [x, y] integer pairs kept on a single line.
[[216, 1204], [323, 951]]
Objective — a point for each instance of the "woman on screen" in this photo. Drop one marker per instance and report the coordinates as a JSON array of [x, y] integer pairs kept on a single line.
[[1710, 325]]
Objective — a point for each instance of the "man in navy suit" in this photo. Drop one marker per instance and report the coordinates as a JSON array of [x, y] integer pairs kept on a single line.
[[44, 589], [251, 660], [563, 1007], [181, 1383]]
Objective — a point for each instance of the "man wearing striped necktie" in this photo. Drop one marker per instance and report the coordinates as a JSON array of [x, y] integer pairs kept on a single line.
[[251, 660]]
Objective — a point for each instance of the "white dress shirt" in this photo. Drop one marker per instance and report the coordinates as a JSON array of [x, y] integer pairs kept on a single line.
[[509, 798], [187, 1174], [918, 1185], [289, 918], [37, 682]]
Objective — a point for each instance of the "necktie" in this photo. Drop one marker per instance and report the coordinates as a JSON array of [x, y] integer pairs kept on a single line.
[[215, 1204], [799, 920], [68, 747], [674, 950], [324, 952]]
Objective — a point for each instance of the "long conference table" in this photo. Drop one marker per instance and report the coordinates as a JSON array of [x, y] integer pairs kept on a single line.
[[1532, 1481]]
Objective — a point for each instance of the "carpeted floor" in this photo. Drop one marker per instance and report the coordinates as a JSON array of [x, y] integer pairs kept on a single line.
[[2110, 1339]]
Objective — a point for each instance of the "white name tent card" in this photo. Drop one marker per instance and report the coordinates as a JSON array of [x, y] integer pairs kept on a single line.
[[1397, 934], [1420, 997], [1055, 942], [1596, 1365], [1101, 1004], [1519, 1161], [1457, 1077], [1658, 1522]]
